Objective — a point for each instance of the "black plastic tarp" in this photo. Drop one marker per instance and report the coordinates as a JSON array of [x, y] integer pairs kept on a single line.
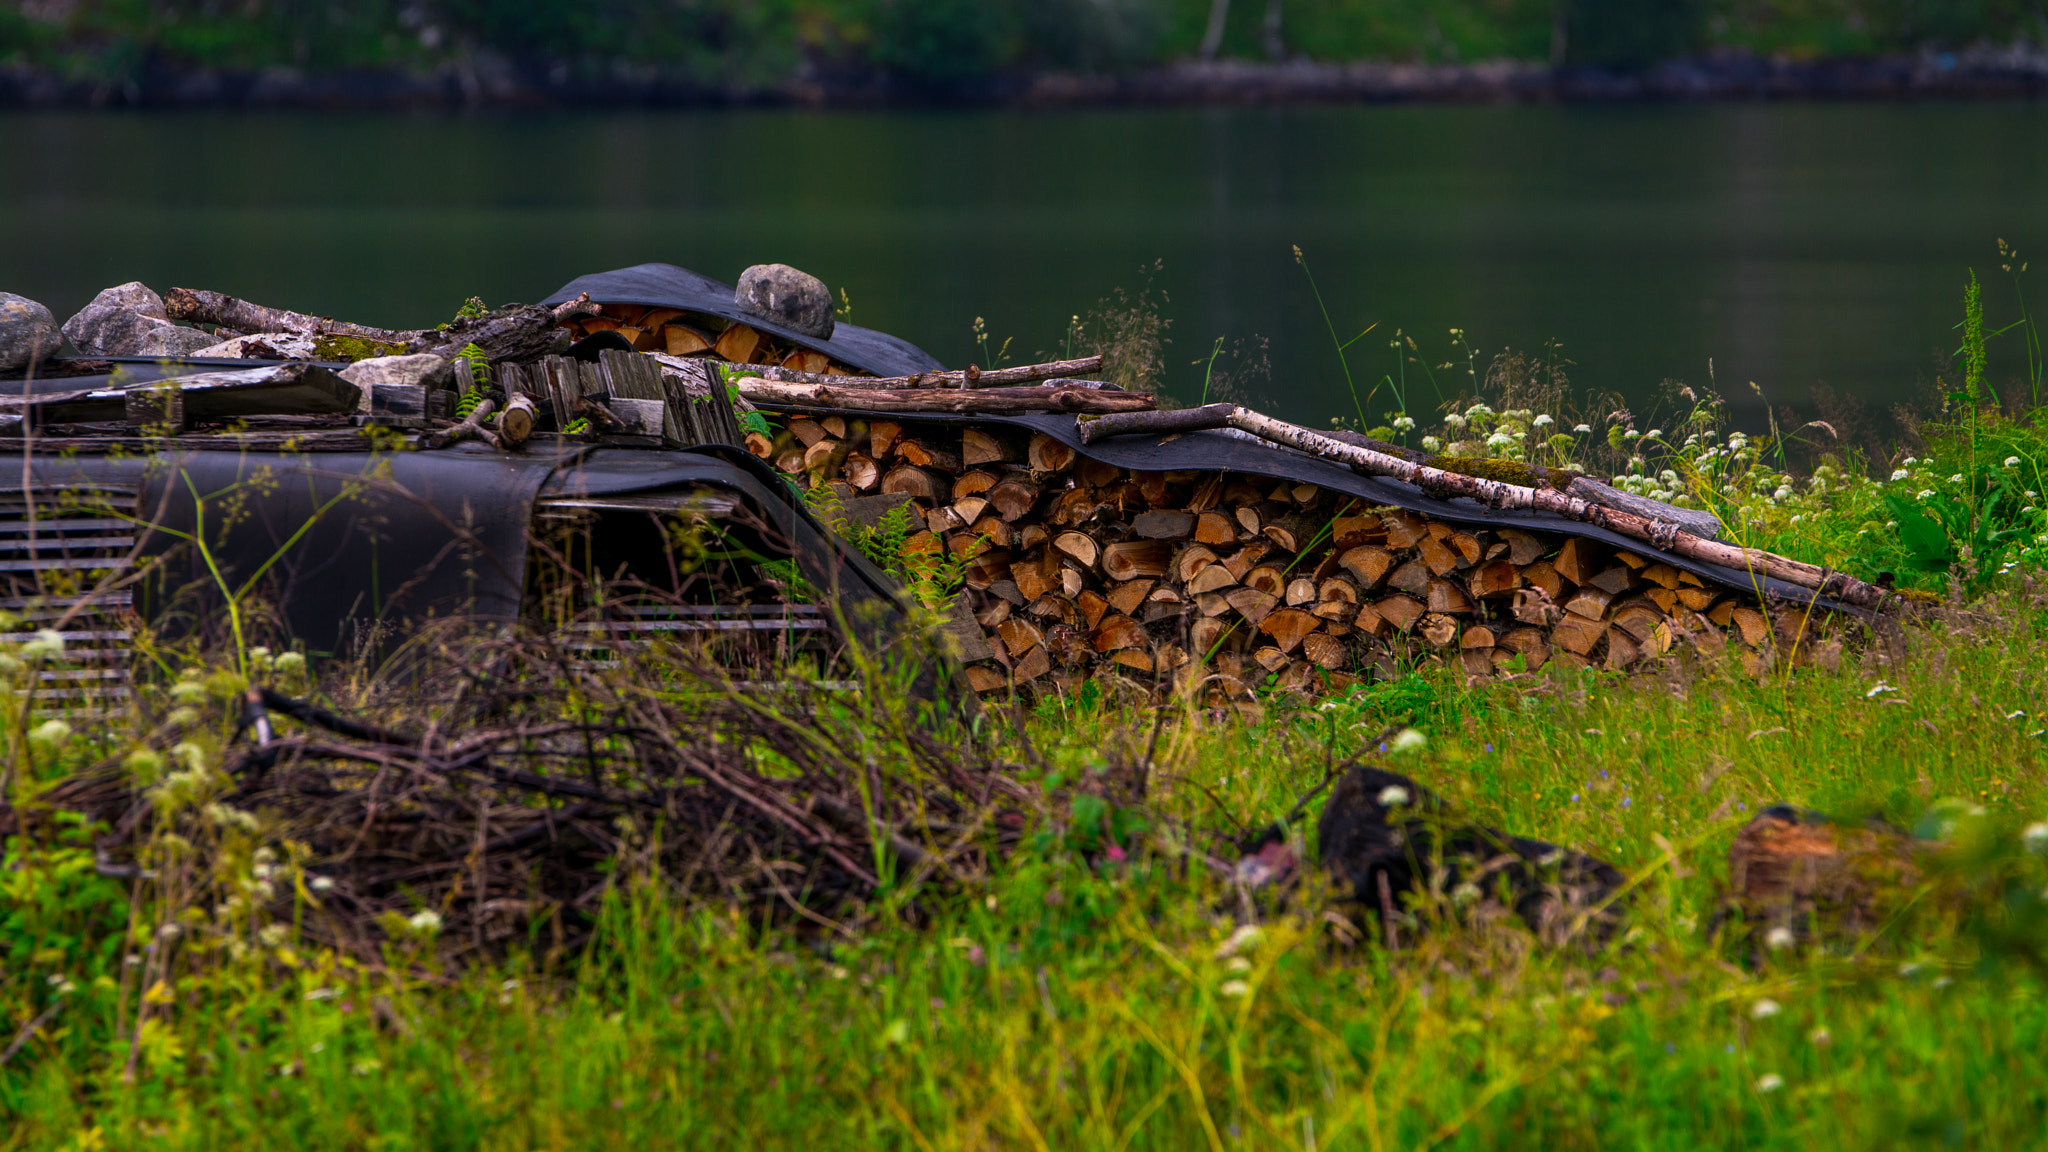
[[1232, 451], [345, 542], [668, 286]]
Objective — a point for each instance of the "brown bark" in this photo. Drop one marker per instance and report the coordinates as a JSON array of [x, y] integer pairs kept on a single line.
[[996, 401]]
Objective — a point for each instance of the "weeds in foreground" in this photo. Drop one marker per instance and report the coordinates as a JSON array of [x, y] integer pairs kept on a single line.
[[1082, 996]]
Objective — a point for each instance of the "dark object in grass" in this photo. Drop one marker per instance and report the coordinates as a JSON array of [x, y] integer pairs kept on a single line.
[[1795, 874], [1404, 854]]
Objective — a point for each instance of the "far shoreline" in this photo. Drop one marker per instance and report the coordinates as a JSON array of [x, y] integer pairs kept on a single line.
[[1985, 73]]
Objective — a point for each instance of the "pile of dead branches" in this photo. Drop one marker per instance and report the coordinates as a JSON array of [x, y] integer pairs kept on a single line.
[[509, 800]]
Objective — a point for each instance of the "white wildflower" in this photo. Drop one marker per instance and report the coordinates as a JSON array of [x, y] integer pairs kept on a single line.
[[1900, 474], [1246, 937], [2035, 838], [1769, 1082], [1583, 429], [1404, 424], [426, 921], [2012, 461], [1764, 1009], [1409, 740], [1925, 494], [1543, 421], [1778, 939], [1432, 445], [1234, 988]]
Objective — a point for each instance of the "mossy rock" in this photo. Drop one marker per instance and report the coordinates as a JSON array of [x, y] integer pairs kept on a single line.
[[352, 348]]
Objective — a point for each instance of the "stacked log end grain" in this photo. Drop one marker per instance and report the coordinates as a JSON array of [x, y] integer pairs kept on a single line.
[[681, 333], [1075, 566]]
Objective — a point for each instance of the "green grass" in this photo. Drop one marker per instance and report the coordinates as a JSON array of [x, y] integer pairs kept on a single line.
[[1070, 1004]]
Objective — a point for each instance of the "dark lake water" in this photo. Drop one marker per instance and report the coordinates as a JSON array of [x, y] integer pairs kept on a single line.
[[1791, 245]]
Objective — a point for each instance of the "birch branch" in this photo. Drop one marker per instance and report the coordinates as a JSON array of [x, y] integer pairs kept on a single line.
[[1046, 398], [964, 378]]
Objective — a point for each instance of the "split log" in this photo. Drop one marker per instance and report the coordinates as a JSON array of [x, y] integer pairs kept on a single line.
[[926, 454], [1300, 590], [995, 401], [1251, 603], [1192, 561], [1131, 559], [1117, 632], [1128, 596], [1214, 528], [1440, 630], [1164, 525], [1013, 497], [920, 484], [981, 447], [1324, 650], [1049, 455], [1214, 578], [1077, 546], [1287, 627]]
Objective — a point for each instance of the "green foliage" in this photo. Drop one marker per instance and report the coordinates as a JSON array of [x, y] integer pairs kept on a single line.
[[948, 46], [1632, 33], [943, 45], [58, 915], [1096, 990]]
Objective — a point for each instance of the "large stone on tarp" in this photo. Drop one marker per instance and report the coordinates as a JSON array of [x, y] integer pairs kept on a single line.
[[172, 342], [118, 320], [790, 297], [385, 372], [28, 333]]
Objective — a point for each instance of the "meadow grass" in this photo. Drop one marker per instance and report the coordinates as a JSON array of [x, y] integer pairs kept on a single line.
[[1072, 1001]]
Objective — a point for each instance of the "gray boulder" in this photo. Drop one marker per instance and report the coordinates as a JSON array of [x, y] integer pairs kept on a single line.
[[787, 296], [118, 320], [383, 373], [172, 342], [28, 333]]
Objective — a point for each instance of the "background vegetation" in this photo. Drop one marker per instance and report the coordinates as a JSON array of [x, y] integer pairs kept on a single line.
[[743, 45]]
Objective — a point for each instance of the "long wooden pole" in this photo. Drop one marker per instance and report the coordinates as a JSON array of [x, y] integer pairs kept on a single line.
[[962, 378], [1046, 398], [1663, 534]]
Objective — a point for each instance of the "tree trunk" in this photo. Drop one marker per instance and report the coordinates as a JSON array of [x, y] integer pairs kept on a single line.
[[1212, 36]]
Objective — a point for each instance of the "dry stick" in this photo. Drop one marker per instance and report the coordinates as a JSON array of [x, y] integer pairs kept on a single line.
[[1047, 398], [29, 1029], [1658, 533], [965, 378], [472, 425]]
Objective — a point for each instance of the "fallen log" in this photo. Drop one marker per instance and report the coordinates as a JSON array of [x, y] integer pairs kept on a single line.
[[517, 332], [1661, 533], [1005, 401]]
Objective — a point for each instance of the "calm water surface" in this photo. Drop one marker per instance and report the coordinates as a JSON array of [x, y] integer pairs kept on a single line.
[[1792, 245]]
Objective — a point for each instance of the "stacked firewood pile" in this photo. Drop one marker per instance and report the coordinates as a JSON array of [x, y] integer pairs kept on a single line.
[[1073, 565]]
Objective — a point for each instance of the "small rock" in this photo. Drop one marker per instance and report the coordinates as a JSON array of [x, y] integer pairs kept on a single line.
[[118, 320], [794, 299], [382, 373], [263, 346], [28, 333], [170, 340]]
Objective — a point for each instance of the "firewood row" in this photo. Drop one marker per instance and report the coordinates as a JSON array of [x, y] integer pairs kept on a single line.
[[1073, 566], [681, 333]]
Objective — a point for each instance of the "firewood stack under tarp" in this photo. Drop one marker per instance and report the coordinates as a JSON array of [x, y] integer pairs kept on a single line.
[[1075, 566]]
